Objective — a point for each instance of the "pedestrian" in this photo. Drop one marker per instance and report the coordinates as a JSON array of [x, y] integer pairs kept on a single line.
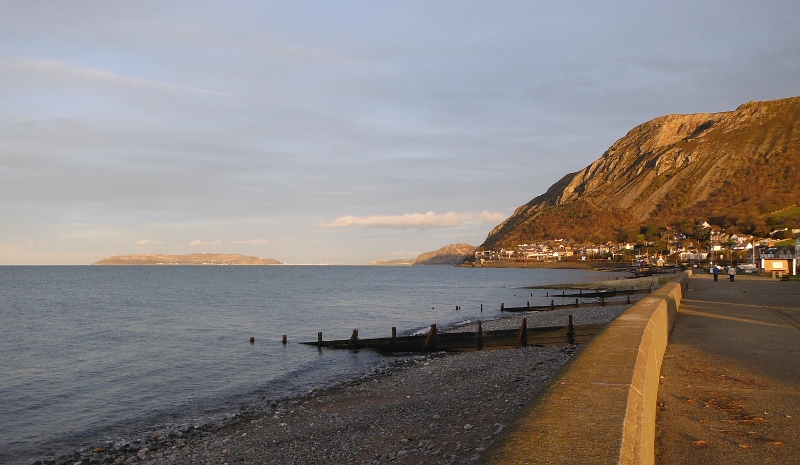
[[715, 270], [731, 272]]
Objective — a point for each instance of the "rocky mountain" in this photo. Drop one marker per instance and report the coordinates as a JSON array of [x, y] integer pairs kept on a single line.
[[735, 169], [189, 259], [453, 254]]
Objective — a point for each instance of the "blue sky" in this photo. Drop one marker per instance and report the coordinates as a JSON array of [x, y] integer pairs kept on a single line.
[[340, 132]]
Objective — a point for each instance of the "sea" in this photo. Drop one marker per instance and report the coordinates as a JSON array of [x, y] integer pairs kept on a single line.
[[91, 355]]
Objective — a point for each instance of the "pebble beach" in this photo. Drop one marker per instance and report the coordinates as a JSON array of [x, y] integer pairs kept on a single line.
[[439, 408]]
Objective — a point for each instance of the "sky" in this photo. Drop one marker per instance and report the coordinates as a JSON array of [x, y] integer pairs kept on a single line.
[[340, 132]]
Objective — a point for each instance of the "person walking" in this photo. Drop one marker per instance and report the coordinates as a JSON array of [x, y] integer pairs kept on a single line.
[[715, 270], [731, 273]]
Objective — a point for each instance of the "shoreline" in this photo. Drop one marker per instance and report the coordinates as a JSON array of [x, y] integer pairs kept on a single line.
[[434, 408]]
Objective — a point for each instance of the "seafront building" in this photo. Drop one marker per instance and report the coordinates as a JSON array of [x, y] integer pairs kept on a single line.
[[721, 249]]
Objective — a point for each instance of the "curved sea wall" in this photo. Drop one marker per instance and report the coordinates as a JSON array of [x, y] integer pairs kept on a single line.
[[601, 407]]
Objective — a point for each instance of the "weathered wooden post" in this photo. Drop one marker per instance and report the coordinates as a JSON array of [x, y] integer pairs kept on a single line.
[[430, 341], [319, 339], [522, 337], [353, 342], [284, 339], [479, 339], [602, 301], [629, 298], [576, 302], [502, 307], [571, 332], [528, 305], [252, 340], [394, 337], [481, 308], [552, 304]]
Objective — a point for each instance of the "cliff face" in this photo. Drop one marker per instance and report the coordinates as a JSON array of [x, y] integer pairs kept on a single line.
[[738, 165], [453, 254]]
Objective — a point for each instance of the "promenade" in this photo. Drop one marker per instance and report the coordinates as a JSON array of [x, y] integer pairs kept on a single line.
[[730, 387]]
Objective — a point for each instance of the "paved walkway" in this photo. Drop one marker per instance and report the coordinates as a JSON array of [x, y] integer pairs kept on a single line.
[[730, 387]]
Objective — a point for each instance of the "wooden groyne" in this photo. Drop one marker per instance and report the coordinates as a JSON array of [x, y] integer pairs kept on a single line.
[[474, 340], [604, 292], [578, 304]]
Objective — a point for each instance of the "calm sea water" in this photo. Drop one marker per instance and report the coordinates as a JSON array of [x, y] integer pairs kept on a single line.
[[92, 354]]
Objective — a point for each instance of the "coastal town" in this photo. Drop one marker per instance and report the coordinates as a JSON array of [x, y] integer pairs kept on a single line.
[[776, 254]]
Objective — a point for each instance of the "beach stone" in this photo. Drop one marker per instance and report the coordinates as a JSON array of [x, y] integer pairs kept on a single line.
[[446, 407]]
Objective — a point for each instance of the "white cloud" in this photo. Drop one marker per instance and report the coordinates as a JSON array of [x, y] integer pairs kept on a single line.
[[249, 242], [428, 220], [486, 216], [148, 242], [200, 242]]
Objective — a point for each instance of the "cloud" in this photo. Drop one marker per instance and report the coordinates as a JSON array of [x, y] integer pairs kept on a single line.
[[200, 242], [148, 242], [249, 242], [491, 217], [59, 69], [430, 220]]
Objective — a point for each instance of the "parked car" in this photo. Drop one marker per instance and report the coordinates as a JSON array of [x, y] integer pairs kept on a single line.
[[747, 268]]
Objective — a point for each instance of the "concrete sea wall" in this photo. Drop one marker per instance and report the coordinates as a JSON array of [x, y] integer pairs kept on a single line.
[[601, 407]]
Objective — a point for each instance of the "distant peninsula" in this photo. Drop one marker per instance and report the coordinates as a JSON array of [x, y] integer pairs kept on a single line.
[[452, 255], [188, 259], [398, 262]]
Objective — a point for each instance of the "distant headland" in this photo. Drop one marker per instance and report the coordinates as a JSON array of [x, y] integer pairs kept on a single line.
[[187, 259]]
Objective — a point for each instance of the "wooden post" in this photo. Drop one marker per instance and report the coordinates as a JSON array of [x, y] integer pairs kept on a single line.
[[602, 301], [571, 332], [252, 340], [353, 342], [522, 337], [481, 308], [394, 336], [319, 339], [502, 307], [552, 304], [284, 339], [528, 305], [576, 302], [629, 298], [430, 341], [479, 339]]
